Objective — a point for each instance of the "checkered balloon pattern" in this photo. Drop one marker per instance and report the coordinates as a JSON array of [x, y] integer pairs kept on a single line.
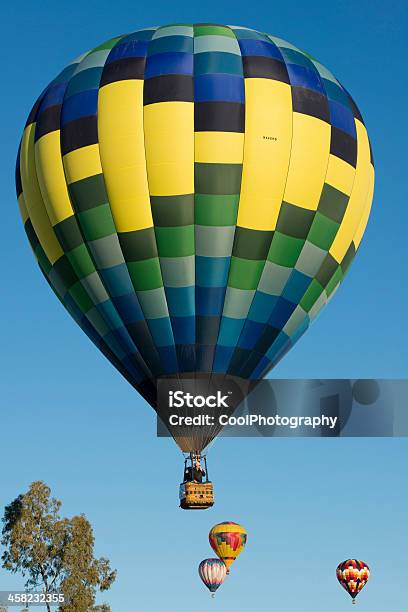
[[353, 576], [194, 195]]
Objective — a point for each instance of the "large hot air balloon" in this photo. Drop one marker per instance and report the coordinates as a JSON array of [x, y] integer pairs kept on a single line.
[[228, 541], [353, 576], [212, 572], [194, 195]]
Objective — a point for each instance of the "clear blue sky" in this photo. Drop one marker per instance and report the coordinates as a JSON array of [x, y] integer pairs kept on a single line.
[[69, 419]]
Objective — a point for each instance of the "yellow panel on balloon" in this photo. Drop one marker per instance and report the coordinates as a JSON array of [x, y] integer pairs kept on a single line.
[[367, 209], [122, 152], [340, 174], [219, 147], [268, 134], [308, 162], [51, 177], [169, 145], [33, 198], [82, 163], [358, 198]]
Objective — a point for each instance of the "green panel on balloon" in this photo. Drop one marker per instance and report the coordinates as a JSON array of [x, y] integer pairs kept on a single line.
[[245, 273], [175, 241], [285, 250], [145, 274], [216, 209]]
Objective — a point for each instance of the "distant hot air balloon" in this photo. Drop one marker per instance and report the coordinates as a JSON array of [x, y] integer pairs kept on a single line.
[[194, 195], [353, 575], [228, 541], [212, 572]]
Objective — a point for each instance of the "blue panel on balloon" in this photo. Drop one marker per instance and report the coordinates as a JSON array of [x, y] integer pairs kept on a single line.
[[171, 44], [183, 329], [186, 357], [219, 87], [262, 306], [260, 369], [129, 308], [259, 47], [296, 286], [222, 358], [83, 104], [108, 311], [84, 80], [133, 48], [230, 330], [280, 342], [168, 358], [117, 281], [250, 334], [161, 331], [291, 56], [53, 96], [204, 358], [169, 63], [281, 313], [304, 77], [181, 301], [336, 93], [217, 62], [212, 271], [342, 118], [209, 300], [65, 75]]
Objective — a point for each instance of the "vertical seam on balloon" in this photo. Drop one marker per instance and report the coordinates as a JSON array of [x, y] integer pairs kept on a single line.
[[280, 209], [195, 240], [136, 341], [236, 218], [279, 213], [143, 365], [351, 191], [214, 427], [154, 225], [57, 240], [206, 441], [293, 267], [320, 268]]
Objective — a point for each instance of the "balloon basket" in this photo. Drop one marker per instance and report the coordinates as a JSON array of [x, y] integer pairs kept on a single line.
[[196, 496]]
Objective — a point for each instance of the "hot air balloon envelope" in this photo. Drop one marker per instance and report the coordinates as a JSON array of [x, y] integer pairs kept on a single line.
[[194, 195], [353, 575], [228, 541], [212, 572]]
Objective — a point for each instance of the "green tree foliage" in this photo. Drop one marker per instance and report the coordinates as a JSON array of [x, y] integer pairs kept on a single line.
[[55, 554]]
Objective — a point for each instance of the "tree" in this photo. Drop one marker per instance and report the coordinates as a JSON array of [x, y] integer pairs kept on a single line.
[[56, 554]]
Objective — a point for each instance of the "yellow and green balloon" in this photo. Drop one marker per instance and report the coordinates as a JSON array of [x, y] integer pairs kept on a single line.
[[194, 195]]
